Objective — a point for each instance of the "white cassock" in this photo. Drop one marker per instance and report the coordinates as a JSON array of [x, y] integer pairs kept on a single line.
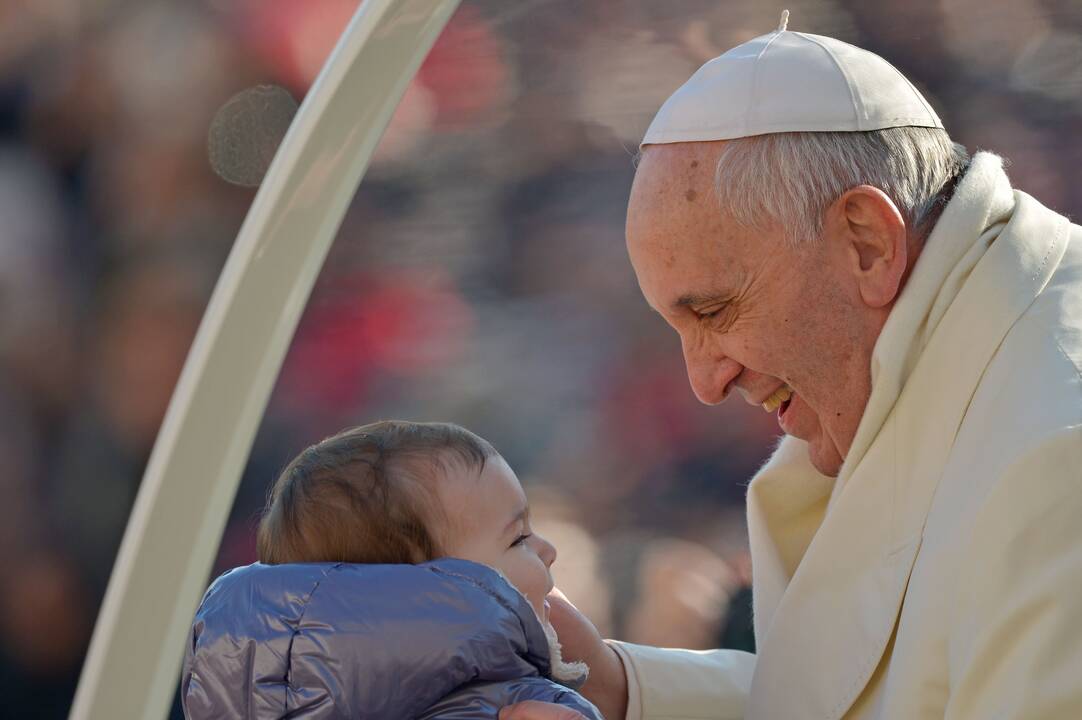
[[940, 575]]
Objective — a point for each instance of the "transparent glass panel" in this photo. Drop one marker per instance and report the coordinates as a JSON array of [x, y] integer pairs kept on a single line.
[[479, 276]]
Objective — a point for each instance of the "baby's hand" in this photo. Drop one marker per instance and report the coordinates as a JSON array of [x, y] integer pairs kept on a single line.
[[534, 710]]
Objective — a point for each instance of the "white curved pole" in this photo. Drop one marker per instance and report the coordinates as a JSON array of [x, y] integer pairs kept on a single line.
[[131, 669]]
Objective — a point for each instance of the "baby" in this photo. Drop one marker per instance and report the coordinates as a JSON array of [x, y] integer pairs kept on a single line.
[[399, 578]]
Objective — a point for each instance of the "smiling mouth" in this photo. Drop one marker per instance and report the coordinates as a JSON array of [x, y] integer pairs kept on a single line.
[[780, 397]]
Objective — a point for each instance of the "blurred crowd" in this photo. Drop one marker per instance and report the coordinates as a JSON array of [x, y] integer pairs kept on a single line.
[[479, 276]]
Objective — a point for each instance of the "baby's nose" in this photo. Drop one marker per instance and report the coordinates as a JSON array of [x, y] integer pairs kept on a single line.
[[546, 551]]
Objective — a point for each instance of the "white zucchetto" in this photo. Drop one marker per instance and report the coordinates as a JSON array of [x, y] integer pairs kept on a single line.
[[788, 81]]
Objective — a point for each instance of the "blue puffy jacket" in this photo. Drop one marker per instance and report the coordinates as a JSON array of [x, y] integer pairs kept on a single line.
[[447, 640]]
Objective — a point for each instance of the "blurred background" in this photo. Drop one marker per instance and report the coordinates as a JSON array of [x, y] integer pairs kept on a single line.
[[479, 276]]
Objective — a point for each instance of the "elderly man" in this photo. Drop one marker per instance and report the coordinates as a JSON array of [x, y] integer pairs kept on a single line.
[[803, 222]]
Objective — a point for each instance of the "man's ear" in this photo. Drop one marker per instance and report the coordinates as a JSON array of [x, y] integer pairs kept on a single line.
[[868, 229]]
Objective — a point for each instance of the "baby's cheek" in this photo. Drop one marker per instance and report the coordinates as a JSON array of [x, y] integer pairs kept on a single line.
[[533, 588], [513, 574]]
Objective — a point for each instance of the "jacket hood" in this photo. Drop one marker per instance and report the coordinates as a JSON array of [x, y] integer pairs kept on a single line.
[[360, 641]]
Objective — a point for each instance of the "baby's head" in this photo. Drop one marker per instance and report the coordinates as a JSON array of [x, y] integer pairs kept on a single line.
[[404, 492]]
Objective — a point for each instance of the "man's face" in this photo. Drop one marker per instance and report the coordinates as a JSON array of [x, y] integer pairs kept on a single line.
[[752, 314]]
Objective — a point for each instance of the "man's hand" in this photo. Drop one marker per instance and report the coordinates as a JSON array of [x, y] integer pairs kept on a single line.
[[579, 640], [534, 710]]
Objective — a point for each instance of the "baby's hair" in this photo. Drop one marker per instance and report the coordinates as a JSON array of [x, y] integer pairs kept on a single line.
[[366, 495]]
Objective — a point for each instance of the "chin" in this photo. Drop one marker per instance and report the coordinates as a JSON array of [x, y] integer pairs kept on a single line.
[[826, 461]]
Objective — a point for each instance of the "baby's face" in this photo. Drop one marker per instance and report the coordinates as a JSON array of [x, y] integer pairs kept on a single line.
[[489, 523]]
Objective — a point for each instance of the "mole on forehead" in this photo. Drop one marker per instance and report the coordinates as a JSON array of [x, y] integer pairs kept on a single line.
[[694, 178]]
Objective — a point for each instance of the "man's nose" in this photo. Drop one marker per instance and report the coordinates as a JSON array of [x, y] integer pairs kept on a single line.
[[711, 377]]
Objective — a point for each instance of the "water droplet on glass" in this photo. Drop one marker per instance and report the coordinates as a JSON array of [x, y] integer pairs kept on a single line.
[[246, 132]]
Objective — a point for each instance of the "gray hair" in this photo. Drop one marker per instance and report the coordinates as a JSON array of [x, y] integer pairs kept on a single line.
[[790, 179]]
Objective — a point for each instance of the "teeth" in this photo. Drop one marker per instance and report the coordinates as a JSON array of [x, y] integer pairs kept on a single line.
[[780, 395]]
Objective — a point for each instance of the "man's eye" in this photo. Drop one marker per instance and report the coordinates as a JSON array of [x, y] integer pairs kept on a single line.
[[520, 539], [707, 314]]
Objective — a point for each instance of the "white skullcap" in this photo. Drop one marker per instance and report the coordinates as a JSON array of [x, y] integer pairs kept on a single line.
[[790, 82]]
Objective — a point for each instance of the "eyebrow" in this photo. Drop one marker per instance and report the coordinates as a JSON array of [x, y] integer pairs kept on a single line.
[[689, 299], [522, 515]]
